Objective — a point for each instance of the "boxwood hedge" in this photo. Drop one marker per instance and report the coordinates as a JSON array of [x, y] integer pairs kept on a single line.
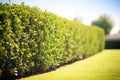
[[34, 40]]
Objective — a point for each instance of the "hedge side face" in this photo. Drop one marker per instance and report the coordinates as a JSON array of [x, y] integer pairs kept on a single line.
[[32, 40]]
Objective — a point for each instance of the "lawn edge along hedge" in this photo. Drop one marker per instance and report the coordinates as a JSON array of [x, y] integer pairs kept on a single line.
[[34, 40]]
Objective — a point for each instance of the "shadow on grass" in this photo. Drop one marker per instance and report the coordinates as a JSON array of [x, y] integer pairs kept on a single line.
[[31, 73]]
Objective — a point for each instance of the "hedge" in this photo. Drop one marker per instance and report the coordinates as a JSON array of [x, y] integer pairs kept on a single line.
[[34, 40], [112, 44]]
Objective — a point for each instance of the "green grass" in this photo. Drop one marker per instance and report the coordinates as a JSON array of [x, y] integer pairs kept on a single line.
[[102, 66]]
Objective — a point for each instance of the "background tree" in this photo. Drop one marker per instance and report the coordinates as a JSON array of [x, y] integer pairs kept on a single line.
[[10, 2], [78, 19], [104, 22]]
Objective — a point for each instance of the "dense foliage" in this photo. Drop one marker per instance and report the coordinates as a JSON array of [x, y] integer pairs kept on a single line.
[[104, 22], [34, 40]]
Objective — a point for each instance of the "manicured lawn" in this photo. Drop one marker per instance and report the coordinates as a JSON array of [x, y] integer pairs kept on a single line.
[[102, 66]]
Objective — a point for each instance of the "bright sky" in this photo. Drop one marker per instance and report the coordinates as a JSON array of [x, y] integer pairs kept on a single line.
[[87, 10]]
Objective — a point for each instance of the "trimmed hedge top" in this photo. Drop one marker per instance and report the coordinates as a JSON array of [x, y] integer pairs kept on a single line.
[[35, 40]]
